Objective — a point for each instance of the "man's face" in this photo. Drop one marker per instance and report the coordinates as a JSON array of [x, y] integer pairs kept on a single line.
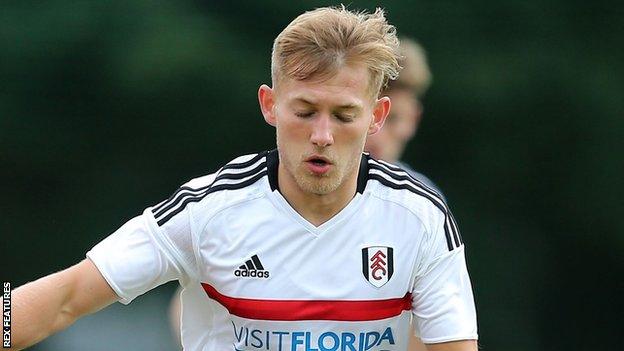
[[322, 126], [400, 127]]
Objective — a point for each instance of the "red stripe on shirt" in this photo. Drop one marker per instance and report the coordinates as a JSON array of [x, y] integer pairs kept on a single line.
[[296, 310]]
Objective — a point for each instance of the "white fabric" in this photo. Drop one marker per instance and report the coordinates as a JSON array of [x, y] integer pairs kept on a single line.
[[135, 259], [210, 239]]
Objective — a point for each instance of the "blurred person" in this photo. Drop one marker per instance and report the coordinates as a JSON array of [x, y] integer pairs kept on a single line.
[[406, 113], [290, 248]]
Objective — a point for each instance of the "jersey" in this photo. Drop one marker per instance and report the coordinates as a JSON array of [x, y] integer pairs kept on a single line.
[[256, 275], [420, 177]]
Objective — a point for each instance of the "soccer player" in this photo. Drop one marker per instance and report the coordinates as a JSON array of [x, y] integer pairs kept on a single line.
[[311, 246]]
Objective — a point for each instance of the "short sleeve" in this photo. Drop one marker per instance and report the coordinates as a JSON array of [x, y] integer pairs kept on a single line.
[[142, 255], [443, 304]]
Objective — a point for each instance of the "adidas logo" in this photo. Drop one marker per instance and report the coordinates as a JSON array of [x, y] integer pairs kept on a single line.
[[252, 269]]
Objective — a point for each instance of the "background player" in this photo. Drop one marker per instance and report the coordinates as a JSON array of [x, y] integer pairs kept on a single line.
[[407, 110]]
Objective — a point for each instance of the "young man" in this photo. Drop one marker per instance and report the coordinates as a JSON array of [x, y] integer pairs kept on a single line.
[[312, 246]]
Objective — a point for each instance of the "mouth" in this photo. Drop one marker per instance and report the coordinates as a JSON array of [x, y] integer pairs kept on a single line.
[[318, 165], [318, 160]]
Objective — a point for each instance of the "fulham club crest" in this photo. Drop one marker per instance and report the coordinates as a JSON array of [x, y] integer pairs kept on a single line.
[[377, 264]]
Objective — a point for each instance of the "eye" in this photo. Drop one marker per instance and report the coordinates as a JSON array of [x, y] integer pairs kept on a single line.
[[304, 114], [344, 117]]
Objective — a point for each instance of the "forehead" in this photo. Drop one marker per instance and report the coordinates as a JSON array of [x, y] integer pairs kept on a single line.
[[348, 86]]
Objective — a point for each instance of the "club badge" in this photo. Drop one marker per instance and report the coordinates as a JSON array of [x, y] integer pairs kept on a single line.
[[377, 264]]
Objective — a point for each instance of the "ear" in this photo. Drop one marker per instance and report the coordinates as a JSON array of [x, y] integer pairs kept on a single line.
[[266, 97], [380, 112]]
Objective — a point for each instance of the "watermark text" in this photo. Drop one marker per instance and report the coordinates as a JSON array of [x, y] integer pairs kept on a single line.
[[6, 315]]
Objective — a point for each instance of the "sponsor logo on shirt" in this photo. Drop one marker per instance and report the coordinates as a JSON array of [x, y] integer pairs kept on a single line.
[[249, 338], [252, 269], [377, 264]]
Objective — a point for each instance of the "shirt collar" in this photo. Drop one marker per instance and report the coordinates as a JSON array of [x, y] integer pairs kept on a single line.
[[273, 163]]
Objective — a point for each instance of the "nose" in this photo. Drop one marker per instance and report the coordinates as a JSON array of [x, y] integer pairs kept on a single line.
[[321, 131]]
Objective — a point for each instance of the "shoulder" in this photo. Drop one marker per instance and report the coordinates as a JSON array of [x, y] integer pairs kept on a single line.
[[394, 184], [234, 182], [419, 176], [399, 184]]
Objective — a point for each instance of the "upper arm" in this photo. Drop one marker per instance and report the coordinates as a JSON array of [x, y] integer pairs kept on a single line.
[[443, 303], [88, 291], [462, 345]]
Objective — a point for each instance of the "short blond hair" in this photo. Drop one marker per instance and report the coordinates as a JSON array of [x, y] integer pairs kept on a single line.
[[415, 75], [316, 44]]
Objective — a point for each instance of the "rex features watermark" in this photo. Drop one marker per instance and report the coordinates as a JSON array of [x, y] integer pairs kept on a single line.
[[6, 315]]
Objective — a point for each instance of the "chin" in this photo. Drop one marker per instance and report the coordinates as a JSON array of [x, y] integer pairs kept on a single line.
[[317, 185]]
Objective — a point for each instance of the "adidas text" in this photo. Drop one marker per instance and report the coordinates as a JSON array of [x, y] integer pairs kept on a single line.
[[252, 268], [251, 274]]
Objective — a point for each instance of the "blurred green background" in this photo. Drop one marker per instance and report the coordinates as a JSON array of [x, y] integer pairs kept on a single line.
[[106, 107]]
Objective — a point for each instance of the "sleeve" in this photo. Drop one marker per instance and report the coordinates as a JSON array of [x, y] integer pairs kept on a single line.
[[443, 305], [143, 254]]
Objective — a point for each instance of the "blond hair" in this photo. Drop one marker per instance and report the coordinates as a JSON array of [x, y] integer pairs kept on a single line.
[[318, 43], [415, 75]]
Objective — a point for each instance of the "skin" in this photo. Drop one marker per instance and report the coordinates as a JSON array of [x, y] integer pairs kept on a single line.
[[53, 303], [400, 127], [329, 118]]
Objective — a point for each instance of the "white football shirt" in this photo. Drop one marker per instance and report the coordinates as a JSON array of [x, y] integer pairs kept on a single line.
[[256, 275]]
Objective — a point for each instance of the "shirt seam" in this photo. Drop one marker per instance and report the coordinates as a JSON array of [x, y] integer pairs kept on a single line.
[[169, 248]]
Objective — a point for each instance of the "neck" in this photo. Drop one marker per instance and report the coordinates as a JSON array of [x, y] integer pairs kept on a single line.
[[316, 209]]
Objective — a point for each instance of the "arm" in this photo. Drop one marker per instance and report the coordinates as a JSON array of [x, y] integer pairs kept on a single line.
[[444, 313], [462, 345], [175, 312], [415, 344], [54, 302], [136, 258]]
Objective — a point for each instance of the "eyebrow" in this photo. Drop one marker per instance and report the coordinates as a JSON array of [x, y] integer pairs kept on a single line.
[[347, 106]]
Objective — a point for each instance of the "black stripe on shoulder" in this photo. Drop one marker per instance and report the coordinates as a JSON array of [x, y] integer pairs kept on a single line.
[[401, 174], [389, 165], [211, 190], [427, 192], [409, 187], [166, 205], [170, 200], [220, 177], [458, 239], [430, 194], [450, 230], [246, 163]]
